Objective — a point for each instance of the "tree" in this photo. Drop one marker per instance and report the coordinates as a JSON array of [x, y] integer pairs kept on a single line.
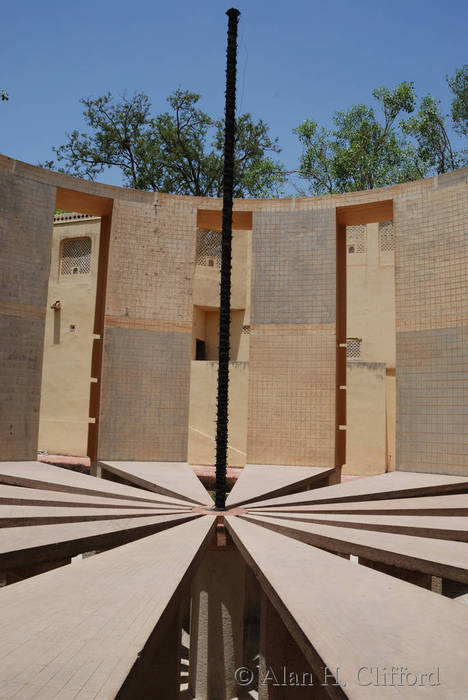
[[4, 96], [178, 151], [359, 152], [120, 137], [428, 128], [362, 151], [459, 86]]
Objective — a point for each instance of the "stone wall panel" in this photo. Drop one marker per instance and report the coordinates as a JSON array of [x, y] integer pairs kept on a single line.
[[147, 335], [432, 330], [292, 363], [26, 214]]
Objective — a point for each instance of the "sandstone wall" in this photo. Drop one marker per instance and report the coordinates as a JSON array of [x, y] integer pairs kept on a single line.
[[26, 213], [291, 415]]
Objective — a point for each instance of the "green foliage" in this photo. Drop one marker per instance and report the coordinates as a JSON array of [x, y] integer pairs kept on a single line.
[[4, 96], [181, 150], [428, 128], [178, 151], [120, 137], [257, 174], [359, 152], [363, 150], [459, 86]]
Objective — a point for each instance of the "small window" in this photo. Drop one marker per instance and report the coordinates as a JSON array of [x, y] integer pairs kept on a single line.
[[209, 248], [353, 348], [356, 239], [75, 258], [387, 239], [200, 352]]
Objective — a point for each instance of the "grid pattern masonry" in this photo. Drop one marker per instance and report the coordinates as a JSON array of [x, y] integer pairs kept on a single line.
[[356, 239], [144, 409], [209, 248], [75, 258], [148, 335], [26, 211], [432, 332], [292, 357], [386, 236]]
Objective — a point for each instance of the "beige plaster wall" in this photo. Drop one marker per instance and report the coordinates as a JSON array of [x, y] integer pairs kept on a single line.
[[371, 402], [370, 437], [199, 328], [391, 420], [207, 279], [202, 414], [212, 327], [206, 328], [204, 374], [371, 300], [366, 418], [66, 371]]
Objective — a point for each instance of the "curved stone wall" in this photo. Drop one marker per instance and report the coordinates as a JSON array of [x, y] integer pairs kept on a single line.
[[144, 318]]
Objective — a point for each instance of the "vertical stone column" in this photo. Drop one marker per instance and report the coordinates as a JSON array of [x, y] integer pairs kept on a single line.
[[284, 672], [157, 672], [252, 603], [167, 665], [216, 629], [96, 470]]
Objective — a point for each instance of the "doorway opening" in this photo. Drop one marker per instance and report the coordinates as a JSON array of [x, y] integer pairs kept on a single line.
[[71, 369], [204, 366], [368, 338]]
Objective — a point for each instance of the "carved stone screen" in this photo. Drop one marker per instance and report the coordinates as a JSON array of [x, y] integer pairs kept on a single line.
[[147, 336], [26, 214], [432, 329], [292, 362]]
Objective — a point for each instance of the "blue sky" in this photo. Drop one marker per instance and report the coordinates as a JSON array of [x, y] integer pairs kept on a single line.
[[297, 59]]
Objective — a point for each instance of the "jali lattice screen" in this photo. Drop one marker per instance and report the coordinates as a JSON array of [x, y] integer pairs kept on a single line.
[[75, 256]]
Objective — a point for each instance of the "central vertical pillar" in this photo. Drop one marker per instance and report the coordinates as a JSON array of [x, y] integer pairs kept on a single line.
[[226, 255], [216, 628], [157, 671], [284, 672]]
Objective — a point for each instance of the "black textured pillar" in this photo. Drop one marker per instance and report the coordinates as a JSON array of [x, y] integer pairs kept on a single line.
[[225, 291]]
